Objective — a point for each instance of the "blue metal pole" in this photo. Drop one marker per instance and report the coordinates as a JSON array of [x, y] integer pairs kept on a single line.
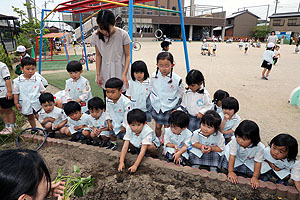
[[82, 35], [130, 24], [65, 46], [184, 37], [41, 42]]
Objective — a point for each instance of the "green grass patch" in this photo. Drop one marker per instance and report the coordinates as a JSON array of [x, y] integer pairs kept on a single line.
[[55, 65], [59, 80]]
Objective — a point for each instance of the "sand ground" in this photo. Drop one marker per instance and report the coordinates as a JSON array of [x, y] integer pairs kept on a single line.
[[263, 101]]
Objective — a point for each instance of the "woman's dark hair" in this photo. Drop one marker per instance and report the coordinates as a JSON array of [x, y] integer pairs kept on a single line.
[[164, 56], [136, 115], [194, 77], [230, 103], [21, 172], [114, 83], [96, 103], [46, 97], [289, 142], [219, 95], [272, 32], [212, 118], [179, 118], [74, 66], [248, 129], [105, 19], [139, 66], [71, 107], [27, 61]]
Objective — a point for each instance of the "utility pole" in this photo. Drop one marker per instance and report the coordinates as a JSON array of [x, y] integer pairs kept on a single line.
[[276, 2], [34, 9], [299, 7], [29, 11], [267, 15]]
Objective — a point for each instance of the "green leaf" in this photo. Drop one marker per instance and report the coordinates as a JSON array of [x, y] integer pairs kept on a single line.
[[76, 169], [78, 192]]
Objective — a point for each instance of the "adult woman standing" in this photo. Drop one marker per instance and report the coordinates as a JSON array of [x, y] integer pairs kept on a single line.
[[112, 46], [272, 38]]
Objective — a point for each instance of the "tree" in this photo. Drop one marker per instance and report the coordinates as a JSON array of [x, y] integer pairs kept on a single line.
[[261, 31]]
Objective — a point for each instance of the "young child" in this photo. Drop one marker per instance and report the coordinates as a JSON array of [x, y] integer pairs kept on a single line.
[[214, 47], [139, 139], [167, 89], [26, 89], [177, 138], [276, 54], [139, 87], [219, 95], [51, 117], [246, 47], [77, 121], [295, 175], [77, 87], [207, 142], [279, 158], [196, 100], [267, 61], [241, 44], [6, 100], [204, 47], [230, 120], [297, 48], [117, 107], [98, 128], [165, 45], [244, 153]]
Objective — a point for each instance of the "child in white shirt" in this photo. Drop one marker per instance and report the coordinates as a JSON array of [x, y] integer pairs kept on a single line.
[[204, 47], [276, 54], [219, 95], [295, 175], [214, 47], [139, 139], [267, 61]]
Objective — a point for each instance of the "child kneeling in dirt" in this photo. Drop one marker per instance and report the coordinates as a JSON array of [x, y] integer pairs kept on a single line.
[[177, 138], [139, 139], [97, 131], [51, 117], [117, 107], [77, 121]]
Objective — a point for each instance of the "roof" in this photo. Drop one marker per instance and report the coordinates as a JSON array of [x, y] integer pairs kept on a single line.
[[282, 15], [7, 17], [54, 35], [241, 13], [220, 28]]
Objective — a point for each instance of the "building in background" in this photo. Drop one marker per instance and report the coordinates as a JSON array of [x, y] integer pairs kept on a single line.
[[8, 29]]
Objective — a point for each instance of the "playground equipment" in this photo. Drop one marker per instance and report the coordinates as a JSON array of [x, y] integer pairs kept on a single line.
[[72, 6], [294, 98]]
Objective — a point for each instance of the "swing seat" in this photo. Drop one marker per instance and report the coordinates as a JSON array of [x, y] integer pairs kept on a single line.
[[294, 98]]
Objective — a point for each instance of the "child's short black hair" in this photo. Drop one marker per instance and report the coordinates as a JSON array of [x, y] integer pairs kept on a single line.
[[179, 118], [27, 61], [219, 95], [212, 118], [114, 83], [74, 66], [248, 129], [46, 97], [230, 103], [164, 44], [139, 66], [194, 77], [71, 107], [289, 142], [96, 103], [136, 115]]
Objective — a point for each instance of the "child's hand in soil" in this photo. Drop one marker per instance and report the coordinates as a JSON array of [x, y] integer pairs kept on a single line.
[[57, 189], [121, 167], [232, 177], [132, 169], [254, 183], [177, 159]]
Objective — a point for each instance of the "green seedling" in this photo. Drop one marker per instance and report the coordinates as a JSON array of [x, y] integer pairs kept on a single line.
[[80, 186]]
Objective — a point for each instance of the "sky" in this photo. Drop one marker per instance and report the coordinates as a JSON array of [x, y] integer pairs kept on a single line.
[[229, 6]]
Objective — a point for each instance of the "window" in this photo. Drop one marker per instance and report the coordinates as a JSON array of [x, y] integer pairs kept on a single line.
[[278, 22], [293, 22], [229, 22], [137, 11], [174, 8], [124, 10], [149, 12], [162, 13]]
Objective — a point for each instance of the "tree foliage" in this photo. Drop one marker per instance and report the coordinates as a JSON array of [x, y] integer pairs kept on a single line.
[[261, 31]]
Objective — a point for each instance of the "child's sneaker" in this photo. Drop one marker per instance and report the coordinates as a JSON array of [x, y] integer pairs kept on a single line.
[[6, 131], [112, 146], [51, 134], [89, 141]]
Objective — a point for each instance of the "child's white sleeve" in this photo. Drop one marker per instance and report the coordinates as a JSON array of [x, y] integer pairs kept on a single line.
[[207, 104], [233, 148], [42, 88], [127, 109], [41, 117], [194, 138], [107, 115], [86, 90], [295, 175], [5, 72], [221, 143], [180, 89], [147, 139], [167, 138], [183, 102], [259, 156], [15, 89], [128, 91], [67, 92]]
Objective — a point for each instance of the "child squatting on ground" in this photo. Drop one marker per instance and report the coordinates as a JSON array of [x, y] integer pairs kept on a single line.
[[219, 95], [117, 108], [51, 117], [6, 100], [26, 89], [167, 89], [139, 139]]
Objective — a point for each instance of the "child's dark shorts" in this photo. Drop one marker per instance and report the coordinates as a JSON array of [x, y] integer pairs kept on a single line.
[[5, 103], [266, 65], [246, 48]]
